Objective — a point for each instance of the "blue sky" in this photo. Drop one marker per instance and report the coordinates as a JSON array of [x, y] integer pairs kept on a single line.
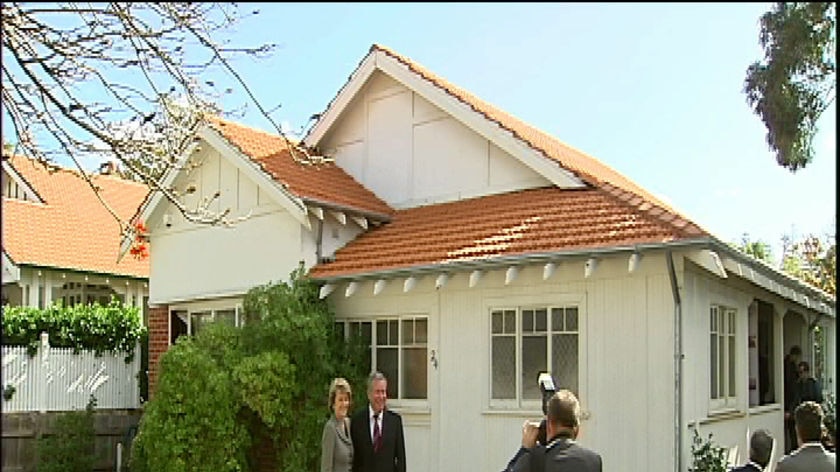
[[655, 91]]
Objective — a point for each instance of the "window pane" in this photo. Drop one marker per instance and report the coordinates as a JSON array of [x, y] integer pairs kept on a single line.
[[541, 321], [527, 321], [504, 362], [571, 318], [226, 316], [557, 319], [713, 374], [722, 365], [386, 362], [408, 331], [198, 320], [496, 322], [510, 321], [713, 319], [420, 331], [731, 356], [564, 361], [393, 332], [362, 329], [414, 367], [382, 333], [534, 355]]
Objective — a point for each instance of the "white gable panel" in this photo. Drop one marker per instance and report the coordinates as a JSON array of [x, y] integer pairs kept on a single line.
[[507, 172], [263, 248], [389, 134], [448, 158], [352, 157], [411, 152]]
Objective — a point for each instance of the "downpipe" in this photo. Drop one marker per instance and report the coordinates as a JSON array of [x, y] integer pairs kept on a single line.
[[678, 358]]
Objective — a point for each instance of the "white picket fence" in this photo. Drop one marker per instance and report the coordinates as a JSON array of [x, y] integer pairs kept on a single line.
[[56, 379]]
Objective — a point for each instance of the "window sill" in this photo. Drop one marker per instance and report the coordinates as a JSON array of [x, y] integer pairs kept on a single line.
[[720, 415], [770, 407], [513, 413]]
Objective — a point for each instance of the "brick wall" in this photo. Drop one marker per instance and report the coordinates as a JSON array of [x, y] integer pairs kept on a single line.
[[158, 342]]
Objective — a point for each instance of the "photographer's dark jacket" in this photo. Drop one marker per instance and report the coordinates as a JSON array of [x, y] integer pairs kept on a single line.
[[561, 454]]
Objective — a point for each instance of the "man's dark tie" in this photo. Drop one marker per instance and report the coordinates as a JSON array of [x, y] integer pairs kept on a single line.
[[377, 434]]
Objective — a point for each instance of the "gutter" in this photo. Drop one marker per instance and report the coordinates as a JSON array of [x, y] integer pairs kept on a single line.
[[506, 261], [678, 360]]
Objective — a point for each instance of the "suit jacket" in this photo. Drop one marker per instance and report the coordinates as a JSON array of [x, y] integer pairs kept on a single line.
[[808, 458], [336, 446], [748, 467], [391, 456], [560, 455]]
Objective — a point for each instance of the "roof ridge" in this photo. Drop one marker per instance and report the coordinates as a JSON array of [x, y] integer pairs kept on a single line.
[[52, 167], [226, 121]]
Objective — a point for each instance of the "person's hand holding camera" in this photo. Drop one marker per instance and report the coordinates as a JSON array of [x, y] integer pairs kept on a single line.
[[530, 430]]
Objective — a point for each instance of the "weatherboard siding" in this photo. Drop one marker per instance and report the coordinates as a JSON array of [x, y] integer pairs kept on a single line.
[[625, 374]]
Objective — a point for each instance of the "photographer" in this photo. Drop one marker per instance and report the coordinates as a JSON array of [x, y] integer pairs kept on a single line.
[[560, 453]]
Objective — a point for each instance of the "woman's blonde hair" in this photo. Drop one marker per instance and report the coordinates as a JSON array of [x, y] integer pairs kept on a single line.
[[339, 385]]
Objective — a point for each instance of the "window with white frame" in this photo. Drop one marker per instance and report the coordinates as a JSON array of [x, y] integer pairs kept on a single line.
[[526, 341], [722, 386], [398, 347], [191, 321]]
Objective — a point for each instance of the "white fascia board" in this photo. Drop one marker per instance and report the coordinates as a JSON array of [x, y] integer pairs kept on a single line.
[[342, 100], [479, 123], [11, 272], [21, 182], [766, 282]]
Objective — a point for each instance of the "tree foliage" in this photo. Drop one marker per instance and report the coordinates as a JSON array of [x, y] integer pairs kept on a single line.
[[812, 259], [128, 83], [757, 249], [794, 84], [222, 390]]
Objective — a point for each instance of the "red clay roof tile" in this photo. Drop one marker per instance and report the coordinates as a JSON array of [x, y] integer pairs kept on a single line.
[[323, 182], [614, 212], [72, 229], [540, 220]]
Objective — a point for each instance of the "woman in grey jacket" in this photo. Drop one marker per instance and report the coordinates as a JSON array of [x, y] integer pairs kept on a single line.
[[336, 445]]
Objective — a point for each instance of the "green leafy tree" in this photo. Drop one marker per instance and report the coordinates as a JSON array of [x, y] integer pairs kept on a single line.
[[812, 259], [795, 83], [224, 390], [757, 249]]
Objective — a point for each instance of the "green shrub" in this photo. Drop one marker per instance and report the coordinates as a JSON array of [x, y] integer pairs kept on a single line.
[[72, 445], [707, 456], [110, 328], [222, 389]]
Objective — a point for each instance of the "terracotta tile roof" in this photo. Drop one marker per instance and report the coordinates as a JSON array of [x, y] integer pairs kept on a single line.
[[532, 221], [72, 230], [324, 183], [613, 212]]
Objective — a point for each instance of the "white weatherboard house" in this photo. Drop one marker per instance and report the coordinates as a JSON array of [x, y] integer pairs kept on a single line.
[[475, 251]]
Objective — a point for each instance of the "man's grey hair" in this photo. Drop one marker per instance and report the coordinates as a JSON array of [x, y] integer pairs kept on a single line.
[[374, 376]]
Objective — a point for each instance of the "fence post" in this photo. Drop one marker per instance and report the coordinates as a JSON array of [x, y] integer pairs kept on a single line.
[[42, 366]]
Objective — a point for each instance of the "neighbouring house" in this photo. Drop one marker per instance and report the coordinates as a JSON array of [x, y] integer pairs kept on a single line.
[[474, 251], [60, 243]]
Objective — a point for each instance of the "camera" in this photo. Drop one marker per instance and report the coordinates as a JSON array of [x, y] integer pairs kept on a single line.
[[547, 388]]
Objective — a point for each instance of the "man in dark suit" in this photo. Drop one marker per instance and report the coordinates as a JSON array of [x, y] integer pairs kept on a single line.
[[790, 403], [377, 433], [561, 453], [761, 446], [811, 455]]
